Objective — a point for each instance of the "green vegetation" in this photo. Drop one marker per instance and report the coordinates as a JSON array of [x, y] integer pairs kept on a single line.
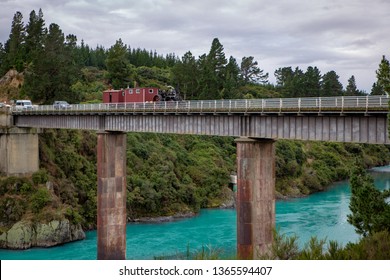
[[373, 247], [370, 211]]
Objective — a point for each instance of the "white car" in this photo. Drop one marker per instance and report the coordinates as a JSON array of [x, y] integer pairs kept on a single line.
[[23, 105]]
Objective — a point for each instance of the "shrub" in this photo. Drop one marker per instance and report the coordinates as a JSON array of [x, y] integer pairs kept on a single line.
[[40, 177], [40, 199]]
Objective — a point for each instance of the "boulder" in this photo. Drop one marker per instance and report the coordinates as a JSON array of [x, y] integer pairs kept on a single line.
[[24, 235]]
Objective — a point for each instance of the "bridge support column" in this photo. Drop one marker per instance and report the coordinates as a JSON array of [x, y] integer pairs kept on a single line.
[[111, 196], [19, 151], [255, 196]]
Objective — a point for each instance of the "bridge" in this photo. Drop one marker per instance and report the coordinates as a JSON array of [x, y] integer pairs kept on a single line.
[[256, 123]]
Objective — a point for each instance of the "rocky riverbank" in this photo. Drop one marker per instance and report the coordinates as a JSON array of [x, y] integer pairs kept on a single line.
[[24, 235]]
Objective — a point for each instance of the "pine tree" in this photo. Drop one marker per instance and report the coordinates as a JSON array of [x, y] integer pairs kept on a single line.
[[53, 71], [251, 73], [383, 75], [185, 74], [351, 88], [14, 47], [331, 85], [232, 79], [213, 72], [312, 82], [377, 90], [118, 66], [35, 37]]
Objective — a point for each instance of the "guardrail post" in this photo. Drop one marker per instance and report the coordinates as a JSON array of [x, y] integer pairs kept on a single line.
[[299, 105], [262, 105], [280, 105], [319, 105]]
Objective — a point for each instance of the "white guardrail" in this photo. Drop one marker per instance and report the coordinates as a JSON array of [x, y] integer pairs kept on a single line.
[[338, 104]]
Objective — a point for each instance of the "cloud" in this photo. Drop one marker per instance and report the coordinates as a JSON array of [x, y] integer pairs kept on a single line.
[[347, 36]]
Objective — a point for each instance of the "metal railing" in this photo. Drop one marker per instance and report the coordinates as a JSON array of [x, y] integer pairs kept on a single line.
[[339, 104]]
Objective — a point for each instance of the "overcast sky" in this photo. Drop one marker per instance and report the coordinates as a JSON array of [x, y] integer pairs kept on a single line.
[[348, 36]]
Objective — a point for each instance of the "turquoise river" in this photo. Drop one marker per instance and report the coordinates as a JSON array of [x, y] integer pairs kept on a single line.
[[322, 214]]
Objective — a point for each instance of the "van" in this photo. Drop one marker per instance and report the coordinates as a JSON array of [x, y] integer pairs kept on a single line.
[[23, 104]]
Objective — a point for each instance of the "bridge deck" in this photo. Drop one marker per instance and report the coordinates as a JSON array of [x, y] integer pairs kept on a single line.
[[317, 105]]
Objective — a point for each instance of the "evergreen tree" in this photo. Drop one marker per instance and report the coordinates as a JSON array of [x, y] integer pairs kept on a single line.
[[36, 33], [284, 76], [98, 57], [377, 89], [52, 73], [251, 73], [331, 85], [213, 74], [232, 79], [118, 66], [2, 58], [351, 87], [383, 75], [185, 74], [291, 83], [370, 211], [14, 47], [312, 82]]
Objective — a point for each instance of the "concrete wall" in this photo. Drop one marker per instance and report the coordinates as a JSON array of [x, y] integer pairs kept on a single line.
[[19, 150]]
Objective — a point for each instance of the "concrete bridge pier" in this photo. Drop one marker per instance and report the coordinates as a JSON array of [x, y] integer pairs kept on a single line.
[[19, 152], [255, 196], [111, 196]]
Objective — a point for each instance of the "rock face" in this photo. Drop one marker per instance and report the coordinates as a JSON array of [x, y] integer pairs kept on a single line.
[[24, 235]]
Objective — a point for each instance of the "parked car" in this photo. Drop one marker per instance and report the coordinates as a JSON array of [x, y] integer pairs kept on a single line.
[[23, 105], [4, 105], [61, 105]]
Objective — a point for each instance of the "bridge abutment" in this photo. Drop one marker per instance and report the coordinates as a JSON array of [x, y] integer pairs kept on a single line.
[[111, 195], [19, 150], [255, 196]]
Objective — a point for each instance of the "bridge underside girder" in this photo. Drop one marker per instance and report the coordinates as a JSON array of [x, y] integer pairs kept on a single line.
[[372, 129]]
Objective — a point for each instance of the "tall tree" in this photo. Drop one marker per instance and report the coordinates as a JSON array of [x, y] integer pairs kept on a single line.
[[291, 83], [284, 76], [14, 47], [331, 85], [118, 66], [351, 88], [52, 73], [251, 73], [377, 90], [232, 79], [383, 75], [35, 37], [99, 57], [213, 72], [185, 74], [312, 82]]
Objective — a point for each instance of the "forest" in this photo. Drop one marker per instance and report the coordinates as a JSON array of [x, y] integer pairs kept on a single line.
[[167, 174], [58, 67]]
